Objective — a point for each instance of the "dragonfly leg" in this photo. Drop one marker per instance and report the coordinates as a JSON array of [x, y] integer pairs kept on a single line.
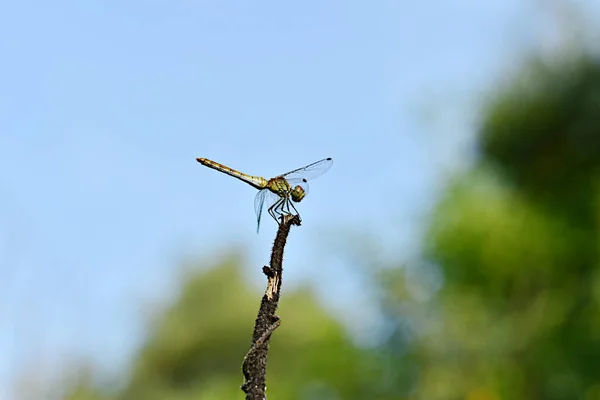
[[274, 209], [295, 211], [285, 208], [288, 210], [281, 209]]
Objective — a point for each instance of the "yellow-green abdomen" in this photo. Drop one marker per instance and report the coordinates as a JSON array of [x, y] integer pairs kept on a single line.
[[255, 181]]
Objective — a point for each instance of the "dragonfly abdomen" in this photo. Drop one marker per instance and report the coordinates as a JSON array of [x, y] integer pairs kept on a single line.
[[255, 181]]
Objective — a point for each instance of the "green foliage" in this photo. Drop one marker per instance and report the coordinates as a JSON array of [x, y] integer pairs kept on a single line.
[[517, 242], [195, 349], [195, 346], [544, 134]]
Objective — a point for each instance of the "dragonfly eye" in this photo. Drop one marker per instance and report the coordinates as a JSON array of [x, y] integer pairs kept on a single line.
[[298, 193]]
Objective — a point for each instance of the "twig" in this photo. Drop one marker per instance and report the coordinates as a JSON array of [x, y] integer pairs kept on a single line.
[[254, 366]]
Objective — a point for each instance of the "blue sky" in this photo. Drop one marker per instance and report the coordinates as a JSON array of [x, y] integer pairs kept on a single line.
[[104, 107]]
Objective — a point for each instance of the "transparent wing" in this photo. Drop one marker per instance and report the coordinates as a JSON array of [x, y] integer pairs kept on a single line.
[[309, 172], [259, 202], [303, 183], [263, 198]]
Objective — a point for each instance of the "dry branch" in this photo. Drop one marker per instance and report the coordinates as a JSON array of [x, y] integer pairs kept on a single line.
[[254, 366]]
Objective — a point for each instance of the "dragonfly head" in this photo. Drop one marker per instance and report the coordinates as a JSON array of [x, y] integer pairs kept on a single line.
[[298, 193]]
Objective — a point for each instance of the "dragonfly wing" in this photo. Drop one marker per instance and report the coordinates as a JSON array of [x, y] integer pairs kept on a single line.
[[259, 201], [263, 198], [303, 183], [311, 171]]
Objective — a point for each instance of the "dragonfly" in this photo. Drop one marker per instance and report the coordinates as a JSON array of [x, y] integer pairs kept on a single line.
[[278, 193]]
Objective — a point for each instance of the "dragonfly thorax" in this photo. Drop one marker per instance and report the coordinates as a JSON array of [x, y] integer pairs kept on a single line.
[[279, 186]]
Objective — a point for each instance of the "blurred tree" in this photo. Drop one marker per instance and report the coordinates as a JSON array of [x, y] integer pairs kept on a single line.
[[195, 349], [516, 240]]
